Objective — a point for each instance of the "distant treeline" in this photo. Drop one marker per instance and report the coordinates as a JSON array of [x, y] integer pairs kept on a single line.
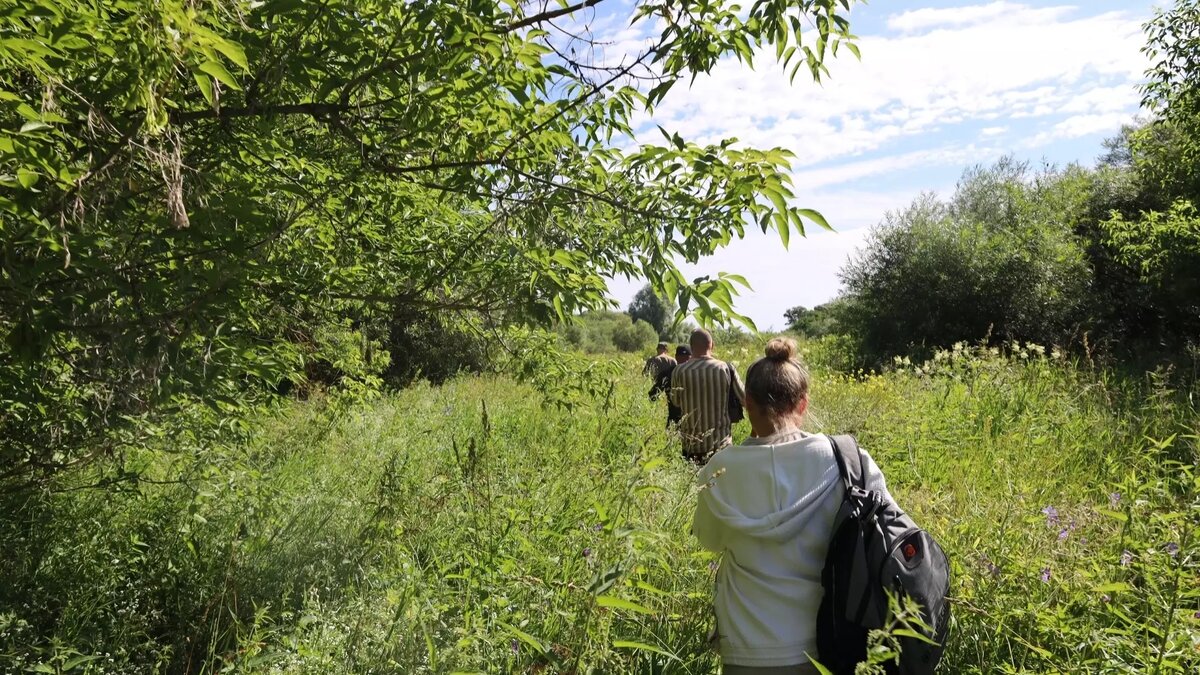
[[1104, 258]]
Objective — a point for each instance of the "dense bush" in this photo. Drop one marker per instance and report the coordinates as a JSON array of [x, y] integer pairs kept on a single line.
[[999, 258], [634, 337], [435, 346]]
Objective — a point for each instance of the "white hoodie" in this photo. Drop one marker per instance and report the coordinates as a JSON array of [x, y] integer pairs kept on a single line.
[[768, 507]]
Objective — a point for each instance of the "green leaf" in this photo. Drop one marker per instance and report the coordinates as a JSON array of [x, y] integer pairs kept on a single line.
[[816, 217], [27, 178], [232, 51], [34, 125], [629, 644], [1114, 587], [820, 668], [524, 637], [72, 664], [205, 83], [1115, 515], [218, 71], [613, 602]]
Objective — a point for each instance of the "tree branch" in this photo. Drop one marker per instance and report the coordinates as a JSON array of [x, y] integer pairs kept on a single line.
[[551, 14]]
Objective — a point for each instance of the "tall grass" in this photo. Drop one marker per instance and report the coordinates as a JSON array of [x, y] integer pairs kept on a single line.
[[472, 528]]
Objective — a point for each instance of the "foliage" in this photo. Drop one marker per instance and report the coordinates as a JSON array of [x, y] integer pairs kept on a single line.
[[435, 346], [592, 332], [816, 322], [191, 187], [998, 259], [471, 527], [648, 307], [1164, 248], [634, 337], [1170, 144]]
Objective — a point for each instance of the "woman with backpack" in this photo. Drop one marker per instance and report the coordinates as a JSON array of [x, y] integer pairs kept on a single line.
[[768, 506]]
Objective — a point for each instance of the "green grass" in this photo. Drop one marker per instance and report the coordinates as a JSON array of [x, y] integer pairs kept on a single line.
[[469, 528]]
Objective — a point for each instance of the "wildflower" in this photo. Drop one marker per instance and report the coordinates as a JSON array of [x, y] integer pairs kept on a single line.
[[1114, 498], [512, 644], [959, 346], [597, 527], [712, 566], [1106, 598], [587, 552], [1172, 549], [1126, 558], [1045, 575], [1051, 514], [1056, 354], [1196, 615], [1063, 534]]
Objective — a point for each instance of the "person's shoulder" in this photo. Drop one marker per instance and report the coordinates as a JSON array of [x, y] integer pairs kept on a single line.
[[808, 444]]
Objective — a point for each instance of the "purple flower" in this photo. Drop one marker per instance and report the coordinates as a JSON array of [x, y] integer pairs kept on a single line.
[[993, 569], [1114, 499], [1126, 558], [1172, 549], [1196, 615], [712, 566], [1106, 598], [514, 646], [597, 527], [587, 552], [1083, 540], [1063, 533], [1045, 575], [1051, 515]]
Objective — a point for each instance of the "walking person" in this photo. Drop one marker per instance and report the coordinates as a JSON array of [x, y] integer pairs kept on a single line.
[[656, 363], [707, 390], [768, 507], [662, 385]]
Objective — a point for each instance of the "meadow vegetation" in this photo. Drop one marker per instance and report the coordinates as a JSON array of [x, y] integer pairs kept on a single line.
[[308, 364], [473, 527]]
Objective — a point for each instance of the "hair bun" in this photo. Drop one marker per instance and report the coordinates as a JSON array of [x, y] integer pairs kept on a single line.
[[781, 349]]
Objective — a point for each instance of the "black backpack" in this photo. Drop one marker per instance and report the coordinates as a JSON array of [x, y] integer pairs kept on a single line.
[[877, 548]]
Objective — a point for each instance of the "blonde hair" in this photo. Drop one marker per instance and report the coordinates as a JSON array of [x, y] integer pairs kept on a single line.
[[777, 382]]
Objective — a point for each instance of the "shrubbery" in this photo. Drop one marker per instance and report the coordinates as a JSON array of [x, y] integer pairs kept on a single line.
[[998, 259]]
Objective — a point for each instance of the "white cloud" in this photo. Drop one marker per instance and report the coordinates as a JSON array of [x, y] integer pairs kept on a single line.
[[923, 19], [1080, 125], [812, 179], [1019, 62]]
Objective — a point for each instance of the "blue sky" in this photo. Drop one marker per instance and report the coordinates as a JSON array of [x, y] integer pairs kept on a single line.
[[942, 85]]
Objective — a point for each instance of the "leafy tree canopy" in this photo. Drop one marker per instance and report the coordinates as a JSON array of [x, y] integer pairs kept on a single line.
[[647, 306], [192, 188], [999, 258]]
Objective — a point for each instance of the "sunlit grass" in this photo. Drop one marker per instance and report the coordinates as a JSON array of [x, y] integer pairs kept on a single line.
[[471, 528]]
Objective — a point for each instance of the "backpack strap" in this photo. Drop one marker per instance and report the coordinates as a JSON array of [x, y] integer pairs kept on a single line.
[[849, 461]]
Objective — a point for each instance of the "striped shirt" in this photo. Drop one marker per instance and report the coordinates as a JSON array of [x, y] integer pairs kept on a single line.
[[700, 388]]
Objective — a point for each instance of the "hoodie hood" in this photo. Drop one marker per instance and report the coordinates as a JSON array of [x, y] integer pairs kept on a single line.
[[770, 488]]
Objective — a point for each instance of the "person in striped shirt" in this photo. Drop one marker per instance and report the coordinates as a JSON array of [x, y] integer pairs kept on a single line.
[[701, 388]]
